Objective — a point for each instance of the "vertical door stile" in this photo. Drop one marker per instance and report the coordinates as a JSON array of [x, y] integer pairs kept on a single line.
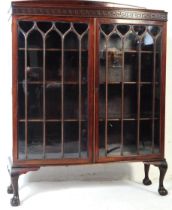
[[106, 99], [138, 95], [62, 96], [26, 101], [80, 94], [153, 95], [122, 99], [44, 100]]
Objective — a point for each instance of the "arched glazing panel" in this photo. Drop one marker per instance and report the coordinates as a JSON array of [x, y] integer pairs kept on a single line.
[[131, 41], [107, 28], [123, 29], [147, 42], [44, 26], [26, 25], [63, 26], [115, 42]]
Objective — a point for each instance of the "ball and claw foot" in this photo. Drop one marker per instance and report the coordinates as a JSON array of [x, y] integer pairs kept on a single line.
[[162, 191], [147, 181], [10, 189], [15, 201]]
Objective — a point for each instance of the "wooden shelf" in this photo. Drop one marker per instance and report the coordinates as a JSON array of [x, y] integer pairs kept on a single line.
[[53, 49]]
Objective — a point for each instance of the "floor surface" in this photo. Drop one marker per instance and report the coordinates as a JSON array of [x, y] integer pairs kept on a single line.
[[90, 195]]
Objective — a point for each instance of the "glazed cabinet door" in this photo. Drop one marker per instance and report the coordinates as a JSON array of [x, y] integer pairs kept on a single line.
[[53, 88], [129, 89]]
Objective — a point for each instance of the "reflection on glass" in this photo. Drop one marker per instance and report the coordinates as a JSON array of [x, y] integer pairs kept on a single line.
[[71, 66], [146, 101], [35, 140], [53, 65], [130, 138], [35, 101], [53, 40], [35, 40], [131, 41], [53, 140], [130, 67], [157, 136], [21, 101], [114, 101], [71, 140], [147, 67], [21, 66], [53, 101], [21, 141], [114, 66], [115, 42], [145, 146], [102, 152], [71, 101], [114, 138], [84, 140], [147, 42], [130, 101]]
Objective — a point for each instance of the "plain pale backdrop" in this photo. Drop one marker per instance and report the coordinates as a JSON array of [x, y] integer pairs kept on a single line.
[[130, 171]]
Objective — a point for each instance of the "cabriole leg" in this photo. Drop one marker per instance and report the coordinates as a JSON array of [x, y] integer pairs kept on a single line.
[[146, 180]]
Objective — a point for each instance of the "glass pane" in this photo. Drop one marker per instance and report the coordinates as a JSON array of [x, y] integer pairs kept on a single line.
[[53, 65], [114, 66], [63, 26], [157, 136], [147, 67], [21, 101], [71, 101], [84, 139], [114, 101], [145, 137], [147, 42], [35, 140], [84, 66], [139, 29], [123, 29], [71, 66], [34, 65], [53, 40], [21, 66], [53, 140], [114, 138], [84, 42], [84, 101], [44, 26], [130, 67], [102, 101], [26, 25], [154, 30], [130, 101], [157, 100], [115, 42], [35, 40], [158, 68], [21, 40], [71, 140], [146, 101], [35, 101], [130, 138], [80, 27], [107, 28], [53, 101], [131, 42], [21, 141], [71, 41], [102, 152]]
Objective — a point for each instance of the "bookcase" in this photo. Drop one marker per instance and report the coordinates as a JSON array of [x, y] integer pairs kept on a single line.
[[88, 86]]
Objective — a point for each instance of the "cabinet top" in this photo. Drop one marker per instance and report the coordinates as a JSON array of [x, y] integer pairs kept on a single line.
[[84, 8]]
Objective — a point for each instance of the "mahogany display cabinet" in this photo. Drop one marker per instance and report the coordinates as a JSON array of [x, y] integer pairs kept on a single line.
[[88, 86]]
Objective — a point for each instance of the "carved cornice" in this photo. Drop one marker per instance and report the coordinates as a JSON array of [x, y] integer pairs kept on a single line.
[[82, 12]]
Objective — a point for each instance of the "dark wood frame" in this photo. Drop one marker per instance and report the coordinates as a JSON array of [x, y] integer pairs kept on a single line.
[[94, 13]]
